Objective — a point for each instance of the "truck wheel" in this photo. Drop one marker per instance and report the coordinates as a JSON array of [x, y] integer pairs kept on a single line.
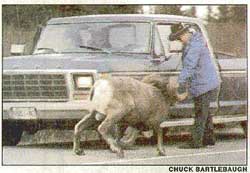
[[244, 126], [12, 133]]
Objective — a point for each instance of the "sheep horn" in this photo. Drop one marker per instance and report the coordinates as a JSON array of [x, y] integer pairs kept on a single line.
[[174, 84]]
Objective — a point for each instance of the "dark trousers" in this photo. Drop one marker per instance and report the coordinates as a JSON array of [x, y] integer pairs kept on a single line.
[[203, 126]]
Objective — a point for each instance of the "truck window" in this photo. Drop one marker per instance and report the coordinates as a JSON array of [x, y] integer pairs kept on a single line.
[[164, 31], [128, 38], [93, 37], [158, 44]]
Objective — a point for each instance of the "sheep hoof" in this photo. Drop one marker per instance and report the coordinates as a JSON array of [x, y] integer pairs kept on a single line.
[[117, 150], [161, 153], [120, 154], [130, 147], [112, 151], [79, 152]]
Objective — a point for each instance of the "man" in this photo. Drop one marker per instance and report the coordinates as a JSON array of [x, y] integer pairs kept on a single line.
[[200, 75]]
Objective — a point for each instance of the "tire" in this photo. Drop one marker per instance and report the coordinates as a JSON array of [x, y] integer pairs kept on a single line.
[[11, 133]]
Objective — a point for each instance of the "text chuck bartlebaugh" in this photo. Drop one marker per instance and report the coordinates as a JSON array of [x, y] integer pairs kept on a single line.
[[207, 169]]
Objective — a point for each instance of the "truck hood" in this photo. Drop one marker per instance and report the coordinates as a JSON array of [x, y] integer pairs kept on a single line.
[[100, 62]]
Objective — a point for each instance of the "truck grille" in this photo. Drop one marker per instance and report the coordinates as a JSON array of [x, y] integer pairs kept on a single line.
[[34, 87]]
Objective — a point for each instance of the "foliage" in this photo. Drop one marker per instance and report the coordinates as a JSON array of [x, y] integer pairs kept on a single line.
[[26, 16], [168, 9], [190, 12], [29, 16], [19, 22], [236, 14], [210, 17]]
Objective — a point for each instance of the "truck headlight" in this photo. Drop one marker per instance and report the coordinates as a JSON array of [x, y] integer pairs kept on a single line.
[[83, 82]]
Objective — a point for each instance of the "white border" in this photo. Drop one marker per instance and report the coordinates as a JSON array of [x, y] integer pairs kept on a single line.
[[110, 169], [122, 2]]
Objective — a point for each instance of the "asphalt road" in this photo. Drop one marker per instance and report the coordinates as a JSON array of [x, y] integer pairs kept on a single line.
[[226, 151]]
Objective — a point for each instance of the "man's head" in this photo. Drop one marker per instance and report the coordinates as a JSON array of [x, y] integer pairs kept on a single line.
[[179, 32]]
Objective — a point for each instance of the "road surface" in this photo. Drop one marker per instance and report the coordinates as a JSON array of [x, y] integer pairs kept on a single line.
[[226, 151]]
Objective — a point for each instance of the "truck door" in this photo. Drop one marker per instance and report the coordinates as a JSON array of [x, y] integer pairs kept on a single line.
[[233, 94], [173, 65]]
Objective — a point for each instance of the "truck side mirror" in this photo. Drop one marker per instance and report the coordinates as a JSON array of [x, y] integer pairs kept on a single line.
[[17, 49]]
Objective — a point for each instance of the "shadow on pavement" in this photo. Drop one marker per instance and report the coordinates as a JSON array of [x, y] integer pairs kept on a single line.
[[168, 140]]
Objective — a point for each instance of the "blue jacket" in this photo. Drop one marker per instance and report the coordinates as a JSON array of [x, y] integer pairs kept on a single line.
[[199, 70]]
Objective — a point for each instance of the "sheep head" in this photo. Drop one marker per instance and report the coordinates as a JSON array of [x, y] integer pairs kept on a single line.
[[168, 85], [173, 86]]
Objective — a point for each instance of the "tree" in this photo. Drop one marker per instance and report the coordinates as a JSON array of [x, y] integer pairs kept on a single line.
[[236, 14], [168, 9], [239, 14], [98, 9], [27, 16], [224, 14], [210, 14], [190, 12]]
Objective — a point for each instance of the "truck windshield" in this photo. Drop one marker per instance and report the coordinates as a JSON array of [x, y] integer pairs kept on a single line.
[[95, 37]]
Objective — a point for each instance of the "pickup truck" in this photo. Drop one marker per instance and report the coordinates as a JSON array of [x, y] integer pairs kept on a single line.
[[50, 87]]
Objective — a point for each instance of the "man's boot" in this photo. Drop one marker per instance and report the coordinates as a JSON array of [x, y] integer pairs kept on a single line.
[[192, 145], [209, 139], [197, 141]]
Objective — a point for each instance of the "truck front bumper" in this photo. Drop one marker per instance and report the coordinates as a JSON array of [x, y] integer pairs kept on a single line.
[[45, 110]]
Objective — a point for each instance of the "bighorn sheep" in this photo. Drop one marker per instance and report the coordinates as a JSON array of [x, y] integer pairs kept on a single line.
[[127, 100]]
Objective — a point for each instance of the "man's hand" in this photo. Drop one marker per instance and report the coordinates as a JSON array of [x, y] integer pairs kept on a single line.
[[182, 88]]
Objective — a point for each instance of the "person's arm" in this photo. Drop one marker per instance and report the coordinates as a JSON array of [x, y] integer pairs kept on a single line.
[[190, 62]]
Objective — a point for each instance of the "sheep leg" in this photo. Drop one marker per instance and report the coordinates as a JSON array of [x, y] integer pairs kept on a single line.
[[128, 140], [117, 132], [160, 148], [85, 123], [104, 129]]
